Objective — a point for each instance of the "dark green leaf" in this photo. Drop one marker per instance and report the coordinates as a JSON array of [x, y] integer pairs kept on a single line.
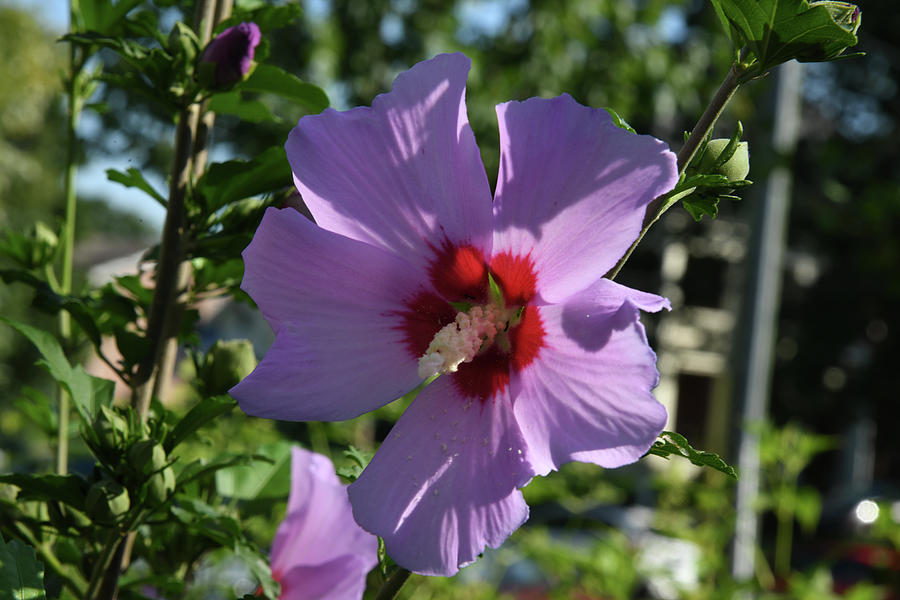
[[68, 489], [776, 31], [266, 16], [671, 443], [272, 79], [135, 179], [132, 284], [201, 468], [699, 205], [132, 346], [35, 405], [21, 575], [231, 103], [204, 412], [102, 15], [269, 479], [237, 179]]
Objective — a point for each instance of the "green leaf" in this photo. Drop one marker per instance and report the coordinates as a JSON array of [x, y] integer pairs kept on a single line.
[[231, 103], [68, 489], [274, 80], [102, 15], [807, 508], [699, 205], [259, 565], [201, 468], [204, 412], [671, 443], [87, 392], [359, 459], [35, 405], [618, 121], [266, 16], [21, 575], [776, 31], [237, 179], [272, 480], [135, 179]]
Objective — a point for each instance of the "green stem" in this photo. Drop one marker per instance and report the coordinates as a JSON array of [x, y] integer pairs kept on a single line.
[[70, 577], [171, 252], [104, 563], [784, 534], [704, 125], [74, 90], [393, 584]]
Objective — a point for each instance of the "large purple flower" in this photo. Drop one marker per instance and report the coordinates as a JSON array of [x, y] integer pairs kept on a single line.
[[412, 271], [319, 552]]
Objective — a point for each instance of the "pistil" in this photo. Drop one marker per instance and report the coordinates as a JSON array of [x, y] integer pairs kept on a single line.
[[460, 341]]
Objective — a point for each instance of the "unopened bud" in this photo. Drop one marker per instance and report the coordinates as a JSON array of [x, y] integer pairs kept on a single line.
[[735, 168], [231, 53], [147, 456], [226, 364], [161, 485], [106, 500]]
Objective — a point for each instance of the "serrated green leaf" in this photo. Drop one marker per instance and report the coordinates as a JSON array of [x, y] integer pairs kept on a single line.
[[274, 80], [699, 205], [21, 574], [135, 179], [776, 31], [674, 444], [55, 362], [231, 103], [201, 414]]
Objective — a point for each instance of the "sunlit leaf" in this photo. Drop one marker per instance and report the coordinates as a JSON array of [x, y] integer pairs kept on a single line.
[[21, 575], [674, 444]]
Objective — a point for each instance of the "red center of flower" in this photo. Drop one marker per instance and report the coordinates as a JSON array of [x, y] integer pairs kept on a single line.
[[460, 275]]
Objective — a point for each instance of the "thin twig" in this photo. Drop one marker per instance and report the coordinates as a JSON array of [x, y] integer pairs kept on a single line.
[[704, 125]]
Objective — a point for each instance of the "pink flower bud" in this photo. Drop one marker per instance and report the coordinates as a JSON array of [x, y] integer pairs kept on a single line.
[[232, 53]]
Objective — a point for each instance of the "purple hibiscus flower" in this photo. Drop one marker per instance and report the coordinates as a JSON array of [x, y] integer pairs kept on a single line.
[[413, 271], [319, 552], [232, 52]]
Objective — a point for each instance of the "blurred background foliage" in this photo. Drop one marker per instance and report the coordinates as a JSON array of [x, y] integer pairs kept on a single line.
[[593, 534]]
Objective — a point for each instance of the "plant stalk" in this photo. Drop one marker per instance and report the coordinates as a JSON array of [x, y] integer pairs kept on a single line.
[[170, 256], [208, 15], [784, 533], [70, 577], [704, 125], [393, 584], [74, 90]]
